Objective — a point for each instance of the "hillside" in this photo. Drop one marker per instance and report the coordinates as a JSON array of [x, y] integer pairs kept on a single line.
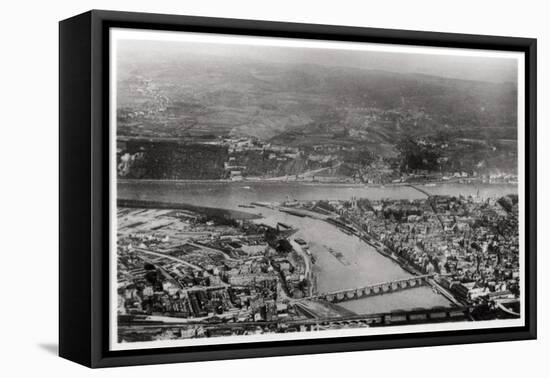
[[307, 105]]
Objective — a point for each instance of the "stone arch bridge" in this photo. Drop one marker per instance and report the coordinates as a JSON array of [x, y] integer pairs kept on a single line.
[[371, 290]]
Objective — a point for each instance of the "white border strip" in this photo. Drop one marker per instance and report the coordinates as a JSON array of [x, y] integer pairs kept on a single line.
[[117, 34], [225, 39]]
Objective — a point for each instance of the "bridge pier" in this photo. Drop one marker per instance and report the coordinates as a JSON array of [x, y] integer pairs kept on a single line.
[[349, 295]]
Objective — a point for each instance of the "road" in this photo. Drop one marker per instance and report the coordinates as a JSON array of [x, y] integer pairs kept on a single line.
[[301, 176], [298, 248], [193, 266], [213, 250]]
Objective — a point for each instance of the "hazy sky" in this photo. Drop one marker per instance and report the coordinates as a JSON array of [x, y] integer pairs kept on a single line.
[[451, 66]]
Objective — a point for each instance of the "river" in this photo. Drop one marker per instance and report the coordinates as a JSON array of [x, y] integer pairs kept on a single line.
[[360, 264]]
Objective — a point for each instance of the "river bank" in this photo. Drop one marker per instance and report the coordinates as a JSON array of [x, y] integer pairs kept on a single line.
[[460, 181]]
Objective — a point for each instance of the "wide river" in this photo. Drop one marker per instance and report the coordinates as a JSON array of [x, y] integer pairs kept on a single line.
[[361, 265]]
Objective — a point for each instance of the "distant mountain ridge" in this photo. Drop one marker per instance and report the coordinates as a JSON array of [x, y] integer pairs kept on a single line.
[[291, 103]]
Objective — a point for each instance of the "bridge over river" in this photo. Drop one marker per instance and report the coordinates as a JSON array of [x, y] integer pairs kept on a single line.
[[371, 290]]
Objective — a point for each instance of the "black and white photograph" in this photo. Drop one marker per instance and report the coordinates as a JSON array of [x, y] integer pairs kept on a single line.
[[268, 189], [244, 189]]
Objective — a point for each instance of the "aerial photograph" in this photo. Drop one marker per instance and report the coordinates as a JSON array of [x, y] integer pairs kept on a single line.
[[268, 188]]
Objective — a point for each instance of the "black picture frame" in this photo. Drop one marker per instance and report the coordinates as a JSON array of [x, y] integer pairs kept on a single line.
[[84, 187]]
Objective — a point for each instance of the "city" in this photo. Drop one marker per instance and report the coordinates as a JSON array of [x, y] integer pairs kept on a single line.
[[213, 274], [266, 191]]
